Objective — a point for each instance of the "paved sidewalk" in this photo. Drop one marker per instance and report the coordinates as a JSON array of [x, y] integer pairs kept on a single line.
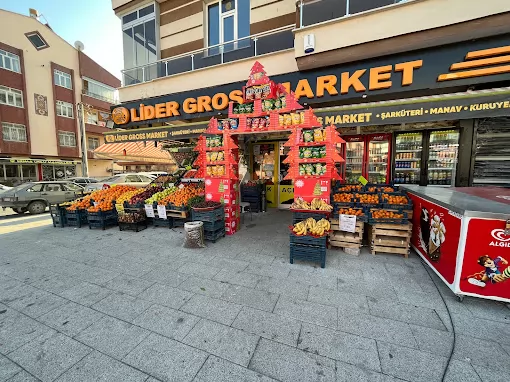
[[88, 305]]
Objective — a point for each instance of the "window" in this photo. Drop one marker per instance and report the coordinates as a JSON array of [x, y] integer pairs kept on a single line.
[[62, 79], [98, 90], [72, 187], [52, 187], [14, 132], [139, 37], [67, 139], [35, 188], [37, 40], [11, 97], [228, 20], [145, 178], [92, 143], [9, 61], [65, 109], [92, 117], [132, 178]]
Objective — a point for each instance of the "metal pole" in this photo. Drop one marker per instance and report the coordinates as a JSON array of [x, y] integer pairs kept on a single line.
[[255, 45], [84, 158], [301, 14], [347, 8]]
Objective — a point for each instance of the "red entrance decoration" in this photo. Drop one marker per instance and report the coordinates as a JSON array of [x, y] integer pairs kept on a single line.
[[268, 107]]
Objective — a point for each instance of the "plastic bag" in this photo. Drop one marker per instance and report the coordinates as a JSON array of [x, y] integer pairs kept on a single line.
[[194, 232]]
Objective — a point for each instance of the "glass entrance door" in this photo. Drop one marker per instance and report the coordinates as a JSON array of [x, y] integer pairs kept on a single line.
[[355, 152]]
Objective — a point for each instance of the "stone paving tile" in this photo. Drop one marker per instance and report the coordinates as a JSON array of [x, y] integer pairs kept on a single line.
[[48, 357], [207, 287], [250, 297], [470, 326], [314, 279], [166, 321], [489, 310], [238, 278], [70, 318], [165, 275], [122, 306], [8, 368], [99, 367], [86, 293], [324, 315], [377, 328], [372, 288], [166, 295], [433, 341], [255, 258], [13, 292], [112, 336], [410, 364], [166, 359], [29, 273], [218, 370], [349, 373], [343, 301], [199, 270], [228, 343], [356, 350], [486, 353], [286, 287], [288, 364], [96, 275], [36, 303], [23, 376], [268, 325], [461, 372], [273, 270], [232, 264], [129, 285], [424, 299], [411, 314], [212, 309], [488, 374], [124, 266], [56, 284]]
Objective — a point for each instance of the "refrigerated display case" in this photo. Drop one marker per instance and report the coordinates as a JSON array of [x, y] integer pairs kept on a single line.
[[408, 158], [354, 158], [378, 158], [442, 160]]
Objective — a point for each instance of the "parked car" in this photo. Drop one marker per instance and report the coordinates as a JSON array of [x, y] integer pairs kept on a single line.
[[4, 188], [153, 174], [82, 181], [130, 179], [34, 197]]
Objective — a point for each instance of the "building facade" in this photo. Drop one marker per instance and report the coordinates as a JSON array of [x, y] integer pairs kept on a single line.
[[42, 80], [432, 75]]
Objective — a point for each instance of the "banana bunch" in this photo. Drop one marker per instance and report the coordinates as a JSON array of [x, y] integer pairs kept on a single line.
[[316, 228], [320, 205], [300, 204]]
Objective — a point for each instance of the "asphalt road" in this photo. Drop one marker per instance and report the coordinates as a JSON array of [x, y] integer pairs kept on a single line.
[[13, 222]]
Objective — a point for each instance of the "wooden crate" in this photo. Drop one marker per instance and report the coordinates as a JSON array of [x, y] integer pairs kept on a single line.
[[342, 239], [390, 238]]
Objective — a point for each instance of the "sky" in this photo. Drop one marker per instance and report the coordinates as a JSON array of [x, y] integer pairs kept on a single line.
[[92, 22]]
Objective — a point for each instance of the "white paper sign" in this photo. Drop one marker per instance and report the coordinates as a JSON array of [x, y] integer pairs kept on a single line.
[[95, 204], [162, 212], [149, 210], [347, 223]]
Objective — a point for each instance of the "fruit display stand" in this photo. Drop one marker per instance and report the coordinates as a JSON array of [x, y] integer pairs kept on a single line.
[[102, 219], [390, 238], [349, 242], [213, 219], [76, 218], [58, 215], [133, 221]]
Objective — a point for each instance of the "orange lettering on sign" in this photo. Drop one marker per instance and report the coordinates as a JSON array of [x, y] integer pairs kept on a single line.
[[204, 104], [172, 109], [149, 112], [220, 101], [160, 110], [286, 85], [134, 117], [326, 83], [236, 96], [190, 105], [348, 81], [407, 69], [303, 89], [379, 77]]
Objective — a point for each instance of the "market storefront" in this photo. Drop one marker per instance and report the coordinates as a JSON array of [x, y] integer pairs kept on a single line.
[[14, 171]]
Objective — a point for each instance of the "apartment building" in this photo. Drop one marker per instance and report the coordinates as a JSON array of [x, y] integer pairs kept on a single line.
[[362, 65], [42, 81]]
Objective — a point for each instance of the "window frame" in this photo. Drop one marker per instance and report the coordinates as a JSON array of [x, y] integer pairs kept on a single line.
[[62, 135], [13, 93], [221, 33], [36, 33], [4, 55], [62, 75], [7, 126], [68, 106], [99, 96], [94, 139]]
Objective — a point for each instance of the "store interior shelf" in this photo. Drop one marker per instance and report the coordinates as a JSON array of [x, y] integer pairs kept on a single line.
[[407, 169], [408, 160], [409, 151], [305, 144], [383, 163], [348, 157], [440, 168], [215, 148]]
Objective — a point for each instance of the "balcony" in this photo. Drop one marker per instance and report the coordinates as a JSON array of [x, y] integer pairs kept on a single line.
[[248, 47]]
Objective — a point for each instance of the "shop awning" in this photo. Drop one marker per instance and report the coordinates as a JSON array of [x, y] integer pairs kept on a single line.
[[133, 151]]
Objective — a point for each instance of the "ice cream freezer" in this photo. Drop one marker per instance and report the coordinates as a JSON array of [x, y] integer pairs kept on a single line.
[[463, 234]]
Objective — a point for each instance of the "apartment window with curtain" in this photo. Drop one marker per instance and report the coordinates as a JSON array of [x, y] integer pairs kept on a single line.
[[139, 42], [9, 61], [228, 20], [65, 109], [99, 91], [67, 139], [11, 97], [62, 79], [92, 143], [14, 132]]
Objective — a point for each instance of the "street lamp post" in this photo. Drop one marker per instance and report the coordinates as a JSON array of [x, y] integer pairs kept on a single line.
[[84, 159]]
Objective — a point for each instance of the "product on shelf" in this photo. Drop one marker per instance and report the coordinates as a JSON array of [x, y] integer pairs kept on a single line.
[[351, 211], [312, 152], [343, 198], [80, 204], [160, 195], [146, 194], [395, 199], [126, 197], [368, 198], [214, 141], [182, 195], [101, 206], [228, 124], [311, 226], [312, 169], [132, 217], [207, 204], [316, 204], [350, 188], [380, 189], [383, 214], [192, 202], [257, 123]]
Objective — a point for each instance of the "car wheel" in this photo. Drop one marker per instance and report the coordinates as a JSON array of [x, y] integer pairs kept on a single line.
[[36, 207], [20, 210]]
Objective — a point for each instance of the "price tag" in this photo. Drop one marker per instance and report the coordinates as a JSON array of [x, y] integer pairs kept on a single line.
[[162, 212], [149, 210], [347, 223], [95, 204], [363, 180]]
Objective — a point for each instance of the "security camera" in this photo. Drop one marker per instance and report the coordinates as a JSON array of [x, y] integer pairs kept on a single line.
[[309, 43]]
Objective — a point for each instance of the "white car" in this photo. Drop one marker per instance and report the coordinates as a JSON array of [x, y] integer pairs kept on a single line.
[[131, 179], [153, 174], [4, 188]]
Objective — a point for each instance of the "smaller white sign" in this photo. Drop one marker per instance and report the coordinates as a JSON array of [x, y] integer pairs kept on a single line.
[[149, 210], [95, 204], [162, 212], [347, 223]]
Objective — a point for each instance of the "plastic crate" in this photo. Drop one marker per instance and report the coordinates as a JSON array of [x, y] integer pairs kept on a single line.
[[179, 222], [76, 218], [338, 205], [213, 226], [363, 218], [168, 222], [408, 206], [254, 191], [371, 220], [58, 215], [308, 253], [379, 187], [252, 199], [309, 240], [136, 226], [214, 235], [208, 216], [337, 187], [300, 216]]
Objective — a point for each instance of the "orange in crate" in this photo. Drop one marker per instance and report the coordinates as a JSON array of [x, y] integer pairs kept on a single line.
[[395, 199], [350, 211], [343, 198], [368, 198], [383, 214]]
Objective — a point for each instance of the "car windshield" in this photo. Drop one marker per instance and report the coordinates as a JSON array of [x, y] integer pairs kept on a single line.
[[72, 187], [111, 179], [22, 187]]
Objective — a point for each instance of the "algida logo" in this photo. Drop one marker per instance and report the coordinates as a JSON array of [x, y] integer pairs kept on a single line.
[[502, 239]]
